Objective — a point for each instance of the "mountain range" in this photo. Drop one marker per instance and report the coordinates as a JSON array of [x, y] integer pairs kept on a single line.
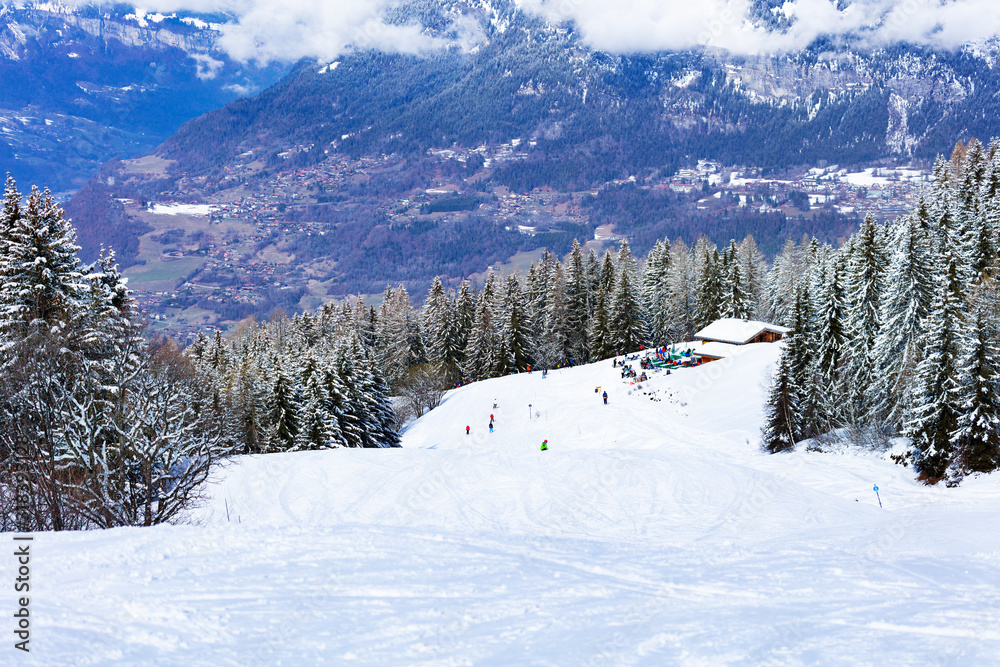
[[84, 84], [340, 164]]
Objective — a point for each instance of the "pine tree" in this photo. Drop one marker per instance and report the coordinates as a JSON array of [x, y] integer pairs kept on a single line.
[[249, 400], [440, 330], [811, 387], [753, 269], [553, 343], [627, 322], [355, 423], [865, 288], [830, 315], [284, 410], [337, 378], [481, 352], [656, 294], [317, 430], [198, 347], [709, 295], [936, 403], [369, 396], [40, 277], [599, 337], [780, 412], [594, 278], [977, 438], [781, 286], [970, 183], [513, 342], [607, 275], [534, 304], [465, 313], [10, 213], [910, 291], [577, 305], [681, 294], [735, 301]]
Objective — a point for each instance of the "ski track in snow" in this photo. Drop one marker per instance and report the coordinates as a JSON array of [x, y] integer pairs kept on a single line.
[[651, 533]]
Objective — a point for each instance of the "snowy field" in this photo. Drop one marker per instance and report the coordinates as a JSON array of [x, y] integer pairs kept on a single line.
[[181, 209], [653, 532]]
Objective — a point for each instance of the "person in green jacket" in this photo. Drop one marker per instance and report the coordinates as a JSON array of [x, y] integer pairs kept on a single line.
[[545, 445]]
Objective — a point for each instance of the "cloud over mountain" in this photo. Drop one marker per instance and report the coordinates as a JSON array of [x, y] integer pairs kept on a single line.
[[740, 26], [287, 30], [291, 29]]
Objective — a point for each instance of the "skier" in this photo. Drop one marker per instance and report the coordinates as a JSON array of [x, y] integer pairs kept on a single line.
[[491, 427], [494, 404], [605, 398], [466, 430], [545, 445], [491, 417]]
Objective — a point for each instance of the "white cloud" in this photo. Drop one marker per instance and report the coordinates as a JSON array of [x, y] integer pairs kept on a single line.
[[293, 29], [324, 29], [634, 26], [287, 30]]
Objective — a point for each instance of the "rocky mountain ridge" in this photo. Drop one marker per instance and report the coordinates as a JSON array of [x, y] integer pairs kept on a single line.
[[84, 84]]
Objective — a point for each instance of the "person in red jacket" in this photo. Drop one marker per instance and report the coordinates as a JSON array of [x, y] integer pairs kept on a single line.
[[466, 430]]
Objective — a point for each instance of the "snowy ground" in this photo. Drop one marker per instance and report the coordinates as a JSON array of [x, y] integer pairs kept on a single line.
[[181, 209], [653, 532]]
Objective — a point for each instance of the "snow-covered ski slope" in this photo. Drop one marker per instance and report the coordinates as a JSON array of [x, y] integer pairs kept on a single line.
[[653, 532]]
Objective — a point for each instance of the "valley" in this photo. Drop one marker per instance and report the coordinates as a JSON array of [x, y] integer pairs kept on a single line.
[[263, 237]]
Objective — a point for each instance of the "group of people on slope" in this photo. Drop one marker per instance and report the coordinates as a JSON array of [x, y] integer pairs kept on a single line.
[[545, 443]]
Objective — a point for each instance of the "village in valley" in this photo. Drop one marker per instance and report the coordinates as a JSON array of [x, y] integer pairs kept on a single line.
[[223, 248]]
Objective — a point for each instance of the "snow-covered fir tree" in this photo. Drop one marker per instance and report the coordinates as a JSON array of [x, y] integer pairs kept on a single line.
[[627, 323], [977, 437], [482, 349], [936, 401], [578, 298], [781, 410], [656, 294], [553, 342], [513, 342], [735, 300], [903, 309], [865, 291], [599, 338], [709, 289]]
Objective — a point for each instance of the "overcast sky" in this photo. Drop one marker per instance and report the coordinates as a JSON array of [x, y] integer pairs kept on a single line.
[[324, 29], [624, 26]]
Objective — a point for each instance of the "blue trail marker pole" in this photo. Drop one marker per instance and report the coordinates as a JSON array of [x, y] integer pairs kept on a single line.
[[529, 411], [877, 496]]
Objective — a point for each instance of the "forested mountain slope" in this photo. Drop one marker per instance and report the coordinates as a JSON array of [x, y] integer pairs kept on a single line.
[[83, 84]]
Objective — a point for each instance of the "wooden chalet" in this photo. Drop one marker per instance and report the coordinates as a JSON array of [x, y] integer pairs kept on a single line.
[[717, 338]]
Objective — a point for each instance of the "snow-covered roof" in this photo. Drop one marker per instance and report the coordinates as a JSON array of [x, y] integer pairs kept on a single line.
[[715, 350], [735, 330]]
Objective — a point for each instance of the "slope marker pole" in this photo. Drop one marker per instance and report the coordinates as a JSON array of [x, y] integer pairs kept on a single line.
[[877, 496]]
